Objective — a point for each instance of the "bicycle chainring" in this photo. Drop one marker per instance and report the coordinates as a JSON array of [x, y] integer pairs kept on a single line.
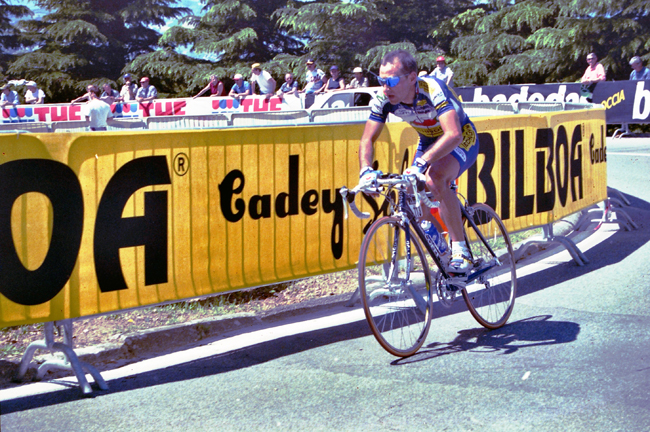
[[446, 295]]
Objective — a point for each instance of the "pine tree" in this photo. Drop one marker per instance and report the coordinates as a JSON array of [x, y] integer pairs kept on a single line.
[[230, 35], [88, 42], [521, 41], [11, 38]]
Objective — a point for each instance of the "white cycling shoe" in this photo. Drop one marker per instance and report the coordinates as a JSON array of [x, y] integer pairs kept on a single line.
[[461, 262]]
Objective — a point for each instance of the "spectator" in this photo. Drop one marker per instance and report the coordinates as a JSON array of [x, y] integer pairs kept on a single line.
[[314, 78], [359, 80], [34, 95], [241, 88], [96, 111], [215, 86], [594, 73], [639, 72], [129, 89], [83, 97], [8, 96], [263, 79], [290, 86], [443, 72], [109, 95], [336, 81], [146, 92]]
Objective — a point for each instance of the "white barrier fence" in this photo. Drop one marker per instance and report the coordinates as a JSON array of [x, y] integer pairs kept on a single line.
[[282, 118]]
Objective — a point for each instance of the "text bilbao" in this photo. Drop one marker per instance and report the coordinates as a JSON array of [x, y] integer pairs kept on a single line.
[[557, 168], [112, 232]]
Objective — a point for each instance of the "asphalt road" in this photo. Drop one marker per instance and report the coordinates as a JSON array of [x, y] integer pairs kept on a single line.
[[574, 357]]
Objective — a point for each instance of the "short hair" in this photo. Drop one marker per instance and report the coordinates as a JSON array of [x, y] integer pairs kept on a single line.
[[95, 90], [405, 58], [635, 59]]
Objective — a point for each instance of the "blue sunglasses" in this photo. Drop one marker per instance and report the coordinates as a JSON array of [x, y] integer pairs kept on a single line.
[[390, 81]]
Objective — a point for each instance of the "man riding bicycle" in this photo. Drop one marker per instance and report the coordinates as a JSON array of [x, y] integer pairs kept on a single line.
[[448, 140]]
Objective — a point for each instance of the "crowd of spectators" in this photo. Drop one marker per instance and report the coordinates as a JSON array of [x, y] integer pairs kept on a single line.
[[261, 82]]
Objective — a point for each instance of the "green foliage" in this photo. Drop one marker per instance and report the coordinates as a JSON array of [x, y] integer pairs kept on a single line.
[[489, 42], [78, 42], [10, 37], [520, 41]]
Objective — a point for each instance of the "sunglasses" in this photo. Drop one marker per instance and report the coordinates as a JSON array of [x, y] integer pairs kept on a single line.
[[390, 81]]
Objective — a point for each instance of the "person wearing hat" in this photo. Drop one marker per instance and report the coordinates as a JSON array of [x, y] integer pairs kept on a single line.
[[443, 73], [96, 111], [129, 89], [146, 92], [215, 86], [263, 79], [241, 88], [314, 78], [336, 81], [34, 95], [359, 80], [639, 72], [8, 96]]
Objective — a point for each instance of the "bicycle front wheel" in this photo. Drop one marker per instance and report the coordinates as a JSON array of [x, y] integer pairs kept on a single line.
[[394, 281], [490, 298]]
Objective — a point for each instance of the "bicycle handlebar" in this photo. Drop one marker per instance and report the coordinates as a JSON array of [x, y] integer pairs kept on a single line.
[[419, 188]]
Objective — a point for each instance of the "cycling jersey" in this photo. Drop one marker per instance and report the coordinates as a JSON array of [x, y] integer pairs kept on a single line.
[[432, 98]]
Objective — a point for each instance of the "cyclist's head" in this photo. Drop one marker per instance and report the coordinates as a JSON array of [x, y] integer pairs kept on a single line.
[[405, 58]]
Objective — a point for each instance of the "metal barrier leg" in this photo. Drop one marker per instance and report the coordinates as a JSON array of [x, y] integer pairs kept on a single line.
[[354, 298], [623, 220], [70, 362], [547, 239]]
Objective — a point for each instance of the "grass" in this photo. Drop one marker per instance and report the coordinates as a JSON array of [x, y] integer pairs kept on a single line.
[[107, 328]]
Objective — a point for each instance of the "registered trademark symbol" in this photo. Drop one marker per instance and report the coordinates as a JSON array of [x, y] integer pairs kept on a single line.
[[181, 164]]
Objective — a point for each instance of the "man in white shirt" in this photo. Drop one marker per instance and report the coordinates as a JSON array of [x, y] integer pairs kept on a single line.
[[34, 95], [263, 79], [97, 111]]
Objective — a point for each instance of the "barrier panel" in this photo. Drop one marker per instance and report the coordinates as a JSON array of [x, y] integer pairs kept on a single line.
[[270, 119], [625, 101], [187, 122], [93, 223]]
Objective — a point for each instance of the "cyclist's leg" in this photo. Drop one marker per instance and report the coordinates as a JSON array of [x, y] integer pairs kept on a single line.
[[440, 175], [449, 168]]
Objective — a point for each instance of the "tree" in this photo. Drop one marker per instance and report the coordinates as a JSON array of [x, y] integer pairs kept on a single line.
[[11, 39], [88, 42], [521, 41], [230, 35]]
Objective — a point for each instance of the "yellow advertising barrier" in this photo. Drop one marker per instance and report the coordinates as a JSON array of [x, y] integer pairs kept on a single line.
[[92, 223]]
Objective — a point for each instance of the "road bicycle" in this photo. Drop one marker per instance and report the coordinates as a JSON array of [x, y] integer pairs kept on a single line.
[[396, 283]]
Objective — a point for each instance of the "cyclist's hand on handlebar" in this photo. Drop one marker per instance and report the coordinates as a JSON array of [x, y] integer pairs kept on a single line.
[[418, 169], [368, 180]]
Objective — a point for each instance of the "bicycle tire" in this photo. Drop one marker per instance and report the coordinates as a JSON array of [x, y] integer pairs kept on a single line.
[[491, 297], [397, 303]]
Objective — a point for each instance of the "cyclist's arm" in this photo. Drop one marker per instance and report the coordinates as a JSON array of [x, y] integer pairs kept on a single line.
[[370, 134], [452, 136]]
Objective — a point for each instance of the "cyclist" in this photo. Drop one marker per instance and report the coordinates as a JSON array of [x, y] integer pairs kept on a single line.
[[448, 140]]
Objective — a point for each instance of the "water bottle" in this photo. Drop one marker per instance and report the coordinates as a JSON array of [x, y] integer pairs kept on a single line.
[[434, 237]]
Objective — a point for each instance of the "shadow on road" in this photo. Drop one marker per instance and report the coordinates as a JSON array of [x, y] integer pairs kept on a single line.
[[529, 332]]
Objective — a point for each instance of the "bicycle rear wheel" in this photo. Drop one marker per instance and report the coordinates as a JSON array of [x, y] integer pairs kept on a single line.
[[395, 287], [491, 297]]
